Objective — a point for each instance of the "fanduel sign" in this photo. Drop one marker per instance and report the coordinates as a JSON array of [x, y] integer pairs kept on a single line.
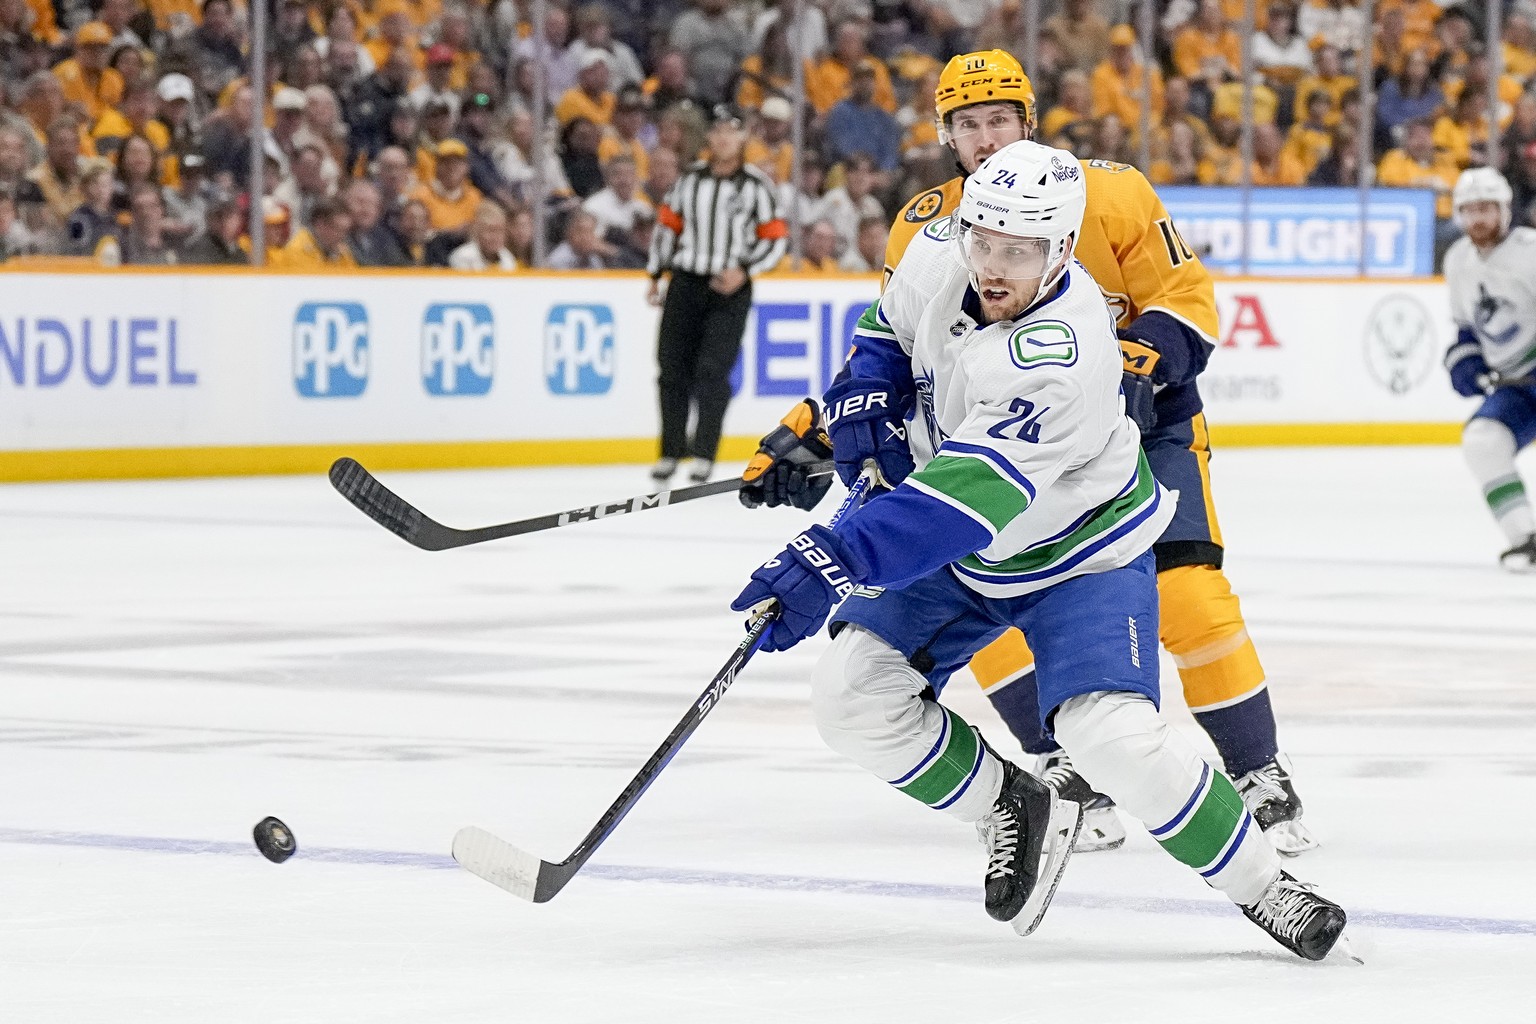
[[1304, 232]]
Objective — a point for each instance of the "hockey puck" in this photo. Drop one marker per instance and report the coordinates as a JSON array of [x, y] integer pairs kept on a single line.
[[274, 840]]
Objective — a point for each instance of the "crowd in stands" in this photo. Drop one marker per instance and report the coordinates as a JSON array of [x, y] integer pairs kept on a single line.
[[402, 133]]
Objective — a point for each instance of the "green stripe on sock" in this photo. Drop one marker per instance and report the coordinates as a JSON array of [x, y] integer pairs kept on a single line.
[[1210, 827], [1503, 495], [950, 768]]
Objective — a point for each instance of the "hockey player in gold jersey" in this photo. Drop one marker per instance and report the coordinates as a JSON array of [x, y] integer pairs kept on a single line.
[[1165, 310]]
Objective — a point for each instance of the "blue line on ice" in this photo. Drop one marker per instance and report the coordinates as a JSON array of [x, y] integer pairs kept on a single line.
[[770, 883]]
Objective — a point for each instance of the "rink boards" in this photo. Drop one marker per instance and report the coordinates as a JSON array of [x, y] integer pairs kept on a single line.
[[178, 373]]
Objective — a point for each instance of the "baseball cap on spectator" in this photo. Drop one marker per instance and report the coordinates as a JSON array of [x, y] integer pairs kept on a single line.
[[631, 98], [595, 56], [727, 113], [273, 212], [175, 86], [777, 108], [865, 67], [1122, 35], [439, 53], [288, 98], [94, 33], [451, 148], [192, 162]]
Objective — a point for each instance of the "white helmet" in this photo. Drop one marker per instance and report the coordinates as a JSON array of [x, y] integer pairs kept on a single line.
[[1482, 184], [1029, 191]]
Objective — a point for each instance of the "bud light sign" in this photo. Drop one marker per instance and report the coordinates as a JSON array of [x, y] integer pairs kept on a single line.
[[330, 349], [458, 349], [578, 350]]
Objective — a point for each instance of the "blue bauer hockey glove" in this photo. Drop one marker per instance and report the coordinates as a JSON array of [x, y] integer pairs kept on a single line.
[[810, 576], [865, 421], [778, 473]]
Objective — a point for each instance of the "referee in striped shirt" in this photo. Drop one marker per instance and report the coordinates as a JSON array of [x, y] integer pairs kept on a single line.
[[716, 228]]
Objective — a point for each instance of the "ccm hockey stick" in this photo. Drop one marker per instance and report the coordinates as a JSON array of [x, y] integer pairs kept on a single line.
[[403, 519], [524, 875]]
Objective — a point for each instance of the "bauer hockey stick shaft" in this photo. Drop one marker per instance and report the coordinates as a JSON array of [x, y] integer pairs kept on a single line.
[[527, 876], [353, 481]]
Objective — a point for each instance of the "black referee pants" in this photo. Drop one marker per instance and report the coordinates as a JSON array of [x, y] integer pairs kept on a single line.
[[700, 339]]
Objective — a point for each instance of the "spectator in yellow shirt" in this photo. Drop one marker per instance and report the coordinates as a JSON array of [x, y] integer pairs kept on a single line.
[[1179, 162], [134, 115], [1222, 162], [1176, 110], [1328, 78], [623, 132], [1311, 139], [1081, 32], [768, 147], [1465, 126], [394, 33], [1272, 163], [592, 96], [1520, 47], [85, 77], [1122, 82], [1207, 47], [1417, 165], [450, 199], [830, 77], [1074, 102], [321, 247]]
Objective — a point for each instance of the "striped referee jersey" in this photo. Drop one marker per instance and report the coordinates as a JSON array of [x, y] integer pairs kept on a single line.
[[706, 223]]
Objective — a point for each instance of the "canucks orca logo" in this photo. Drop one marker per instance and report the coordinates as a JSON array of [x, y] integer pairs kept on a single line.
[[936, 434], [1487, 311], [926, 206]]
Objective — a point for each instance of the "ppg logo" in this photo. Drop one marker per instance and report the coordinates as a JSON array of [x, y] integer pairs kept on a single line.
[[458, 349], [330, 349], [578, 350]]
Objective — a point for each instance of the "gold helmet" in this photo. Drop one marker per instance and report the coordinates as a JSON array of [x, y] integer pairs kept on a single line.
[[987, 76]]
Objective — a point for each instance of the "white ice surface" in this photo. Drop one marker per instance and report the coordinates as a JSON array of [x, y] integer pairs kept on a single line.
[[180, 659]]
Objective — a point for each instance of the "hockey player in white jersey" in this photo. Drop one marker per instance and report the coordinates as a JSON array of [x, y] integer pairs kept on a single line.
[[985, 386], [1491, 274]]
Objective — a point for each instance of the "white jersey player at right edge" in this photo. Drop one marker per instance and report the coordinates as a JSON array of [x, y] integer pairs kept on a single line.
[[1024, 500], [1491, 274]]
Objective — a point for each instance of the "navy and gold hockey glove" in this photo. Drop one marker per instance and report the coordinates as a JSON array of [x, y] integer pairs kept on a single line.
[[1136, 382], [779, 473]]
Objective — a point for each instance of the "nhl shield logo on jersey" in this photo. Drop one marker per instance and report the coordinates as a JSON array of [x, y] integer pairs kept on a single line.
[[925, 206], [1399, 343]]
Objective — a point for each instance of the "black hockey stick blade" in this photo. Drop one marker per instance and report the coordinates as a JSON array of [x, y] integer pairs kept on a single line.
[[409, 523], [530, 878]]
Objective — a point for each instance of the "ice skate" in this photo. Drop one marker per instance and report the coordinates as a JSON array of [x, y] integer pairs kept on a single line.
[[1521, 558], [663, 470], [700, 471], [1101, 825], [1299, 919], [1272, 800], [1029, 835]]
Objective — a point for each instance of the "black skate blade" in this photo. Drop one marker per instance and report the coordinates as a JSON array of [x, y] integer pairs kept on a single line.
[[1065, 823]]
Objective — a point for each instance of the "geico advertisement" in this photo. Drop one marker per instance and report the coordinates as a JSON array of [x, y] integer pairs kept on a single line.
[[155, 360]]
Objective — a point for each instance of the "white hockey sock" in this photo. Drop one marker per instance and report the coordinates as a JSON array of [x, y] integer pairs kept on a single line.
[[1124, 749], [868, 708], [1489, 448]]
